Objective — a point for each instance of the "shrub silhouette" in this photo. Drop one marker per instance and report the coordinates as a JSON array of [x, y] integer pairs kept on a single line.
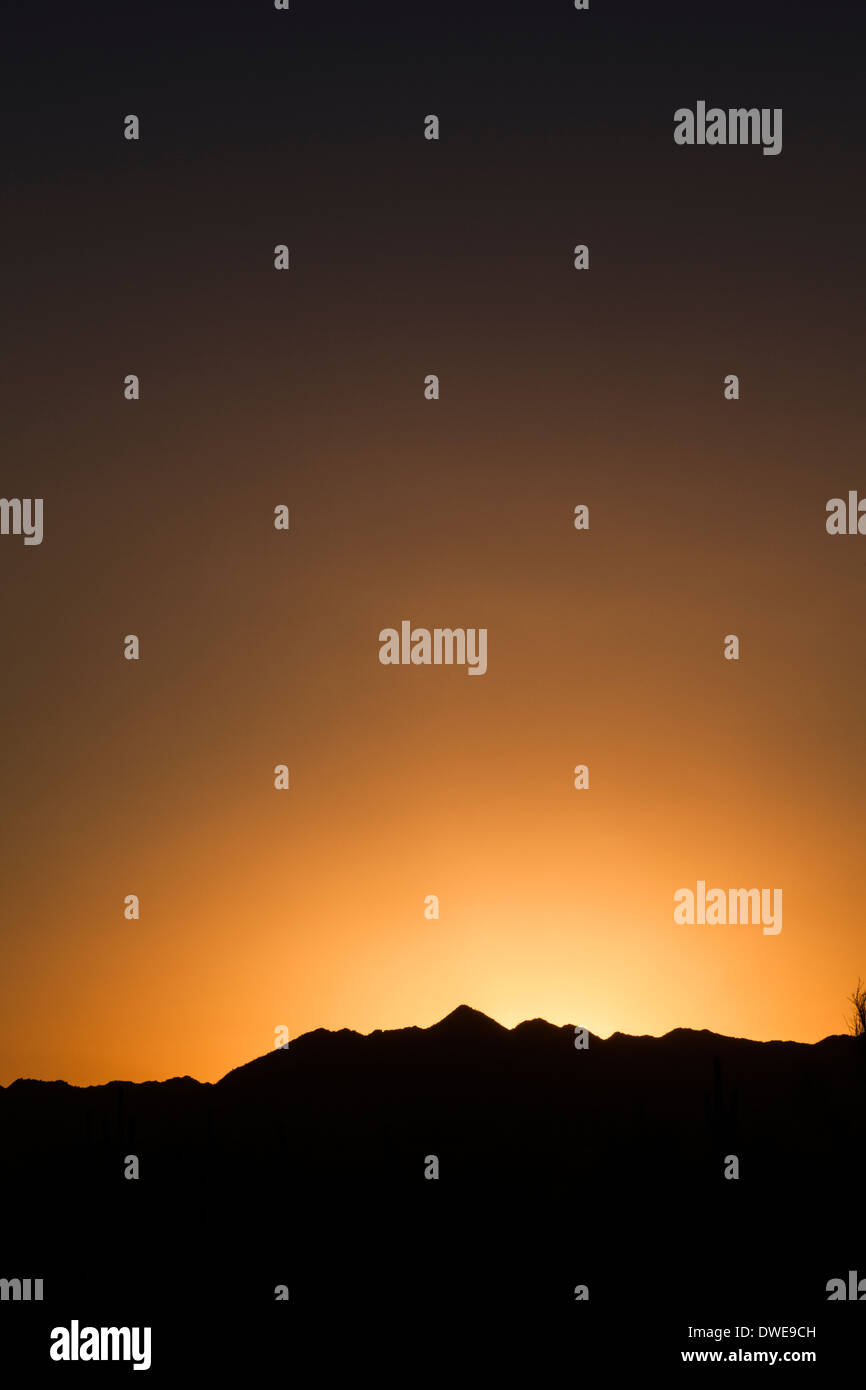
[[857, 1021]]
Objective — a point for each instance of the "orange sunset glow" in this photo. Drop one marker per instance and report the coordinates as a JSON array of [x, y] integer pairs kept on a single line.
[[305, 908]]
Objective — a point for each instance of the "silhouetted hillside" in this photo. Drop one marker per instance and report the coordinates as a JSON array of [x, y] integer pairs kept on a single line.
[[496, 1106], [559, 1166]]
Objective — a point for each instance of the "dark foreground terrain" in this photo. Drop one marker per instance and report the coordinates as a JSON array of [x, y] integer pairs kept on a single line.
[[558, 1168]]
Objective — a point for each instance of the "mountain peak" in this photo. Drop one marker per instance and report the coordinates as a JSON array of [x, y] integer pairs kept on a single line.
[[463, 1019]]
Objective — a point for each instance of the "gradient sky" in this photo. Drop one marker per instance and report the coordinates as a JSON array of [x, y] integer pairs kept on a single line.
[[306, 388]]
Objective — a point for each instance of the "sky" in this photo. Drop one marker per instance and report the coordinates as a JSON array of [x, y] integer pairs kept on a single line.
[[306, 908]]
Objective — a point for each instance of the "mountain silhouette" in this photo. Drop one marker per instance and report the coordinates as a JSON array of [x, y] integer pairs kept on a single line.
[[557, 1166], [496, 1105]]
